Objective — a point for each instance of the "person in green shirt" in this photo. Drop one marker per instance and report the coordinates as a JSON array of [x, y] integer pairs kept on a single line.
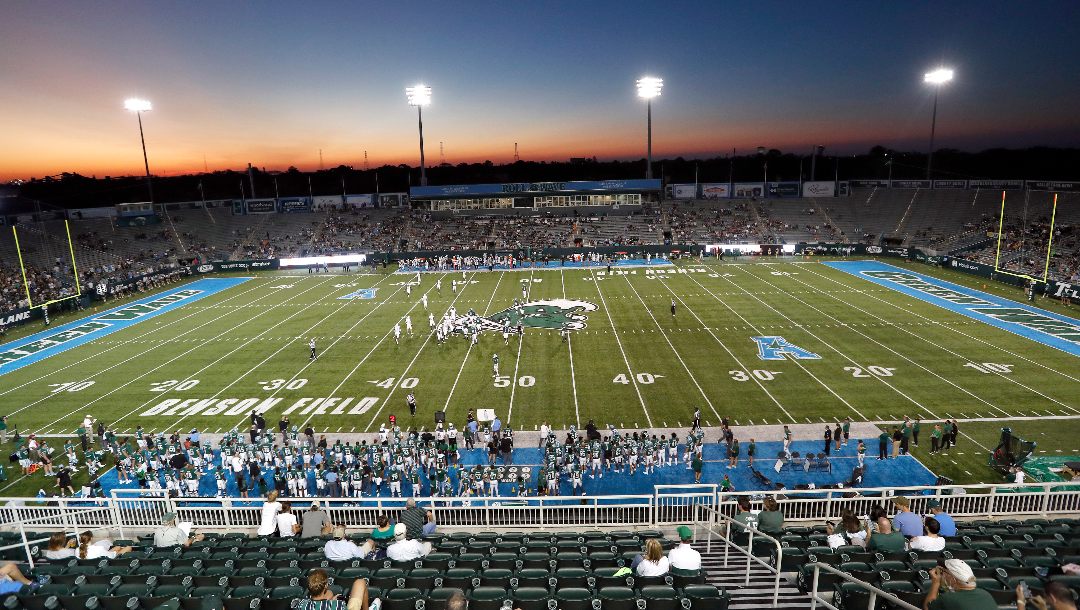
[[883, 445], [935, 439], [915, 431], [771, 519], [946, 436], [885, 539], [697, 465], [733, 453], [963, 594], [751, 449], [847, 429]]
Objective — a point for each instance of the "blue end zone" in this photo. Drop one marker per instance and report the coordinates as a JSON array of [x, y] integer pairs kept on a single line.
[[630, 262], [900, 472], [37, 347], [1055, 330]]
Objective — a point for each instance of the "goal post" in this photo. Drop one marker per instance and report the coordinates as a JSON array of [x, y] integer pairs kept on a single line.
[[1027, 219], [26, 283]]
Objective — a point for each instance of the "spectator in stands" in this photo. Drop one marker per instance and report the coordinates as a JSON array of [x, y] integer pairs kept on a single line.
[[884, 539], [60, 547], [430, 525], [170, 535], [653, 563], [340, 549], [88, 549], [849, 532], [413, 518], [287, 526], [684, 556], [771, 519], [270, 509], [964, 595], [457, 601], [1056, 596], [909, 524], [12, 580], [930, 540], [744, 516], [383, 530], [405, 548], [321, 597], [316, 522], [944, 519]]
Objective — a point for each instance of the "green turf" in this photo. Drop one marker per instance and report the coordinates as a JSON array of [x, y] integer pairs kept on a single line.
[[633, 365]]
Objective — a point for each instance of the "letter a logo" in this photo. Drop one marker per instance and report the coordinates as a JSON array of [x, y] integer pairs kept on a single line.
[[774, 348]]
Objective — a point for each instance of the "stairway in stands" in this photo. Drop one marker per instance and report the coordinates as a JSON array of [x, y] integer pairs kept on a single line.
[[758, 594]]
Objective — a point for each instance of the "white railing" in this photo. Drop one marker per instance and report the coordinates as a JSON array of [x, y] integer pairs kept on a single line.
[[720, 525], [873, 591], [74, 522]]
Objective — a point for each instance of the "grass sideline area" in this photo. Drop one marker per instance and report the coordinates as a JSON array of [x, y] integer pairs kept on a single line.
[[882, 355]]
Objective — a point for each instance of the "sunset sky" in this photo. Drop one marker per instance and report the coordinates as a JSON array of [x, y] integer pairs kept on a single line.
[[273, 82]]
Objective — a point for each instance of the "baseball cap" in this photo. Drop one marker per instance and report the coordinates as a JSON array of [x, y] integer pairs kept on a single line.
[[685, 533], [315, 506], [168, 518], [933, 504], [400, 530], [960, 570], [901, 501]]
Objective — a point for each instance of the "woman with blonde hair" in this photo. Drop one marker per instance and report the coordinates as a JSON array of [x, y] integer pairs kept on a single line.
[[88, 549], [270, 510], [60, 547], [654, 563]]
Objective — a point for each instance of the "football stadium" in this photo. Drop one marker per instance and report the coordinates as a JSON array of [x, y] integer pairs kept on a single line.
[[761, 379]]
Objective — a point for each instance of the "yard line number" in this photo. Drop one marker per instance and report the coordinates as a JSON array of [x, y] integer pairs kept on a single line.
[[407, 383], [525, 381], [871, 371], [642, 378], [277, 384], [759, 374], [990, 367], [71, 386], [173, 384]]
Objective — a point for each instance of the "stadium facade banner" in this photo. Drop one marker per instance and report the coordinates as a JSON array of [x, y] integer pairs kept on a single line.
[[684, 191], [225, 266], [870, 183], [819, 188], [746, 190], [1005, 185], [260, 206], [910, 184], [18, 317], [466, 190], [784, 190], [238, 207], [321, 202], [950, 184], [716, 190], [1053, 185], [360, 201], [137, 221], [291, 205]]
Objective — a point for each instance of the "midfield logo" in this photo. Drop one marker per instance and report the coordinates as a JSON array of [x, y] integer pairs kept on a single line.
[[774, 348], [553, 314], [363, 293]]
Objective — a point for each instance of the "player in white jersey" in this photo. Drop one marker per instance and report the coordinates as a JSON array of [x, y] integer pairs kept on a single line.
[[423, 300], [438, 285], [311, 346], [431, 321], [397, 332], [494, 365], [453, 286], [506, 331], [408, 325], [408, 289], [524, 291]]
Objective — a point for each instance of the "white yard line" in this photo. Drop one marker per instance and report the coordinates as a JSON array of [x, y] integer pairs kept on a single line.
[[517, 363], [199, 345], [738, 362], [465, 360], [629, 371], [879, 343], [127, 342], [570, 350], [756, 330], [673, 350], [956, 330]]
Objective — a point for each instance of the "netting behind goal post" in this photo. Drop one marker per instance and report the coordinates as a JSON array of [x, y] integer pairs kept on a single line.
[[1025, 235]]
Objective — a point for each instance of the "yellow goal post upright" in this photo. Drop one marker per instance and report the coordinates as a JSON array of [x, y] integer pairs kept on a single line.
[[26, 284], [1049, 245]]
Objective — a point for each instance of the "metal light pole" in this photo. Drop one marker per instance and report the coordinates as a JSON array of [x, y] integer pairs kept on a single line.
[[420, 96], [937, 78], [649, 87], [139, 106]]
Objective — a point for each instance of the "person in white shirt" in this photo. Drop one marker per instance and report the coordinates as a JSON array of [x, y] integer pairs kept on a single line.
[[653, 563], [340, 549], [88, 549], [270, 509], [405, 549], [286, 522], [930, 540], [544, 431], [59, 547], [684, 557]]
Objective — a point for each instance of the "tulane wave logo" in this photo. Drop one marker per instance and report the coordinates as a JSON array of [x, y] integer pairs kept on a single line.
[[553, 314]]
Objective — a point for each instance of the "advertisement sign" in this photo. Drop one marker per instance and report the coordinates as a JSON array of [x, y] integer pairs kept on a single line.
[[290, 205], [749, 189], [843, 189], [784, 189], [910, 184], [950, 184], [716, 190], [260, 206], [467, 190], [216, 266], [1002, 185], [238, 207], [819, 188], [868, 183], [16, 317], [1053, 185], [322, 202], [360, 201], [685, 191]]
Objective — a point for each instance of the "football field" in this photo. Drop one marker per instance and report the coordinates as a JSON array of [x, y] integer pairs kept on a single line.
[[782, 342]]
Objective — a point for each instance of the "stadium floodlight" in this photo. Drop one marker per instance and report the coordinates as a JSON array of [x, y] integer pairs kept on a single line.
[[649, 87], [420, 96], [139, 106], [937, 78]]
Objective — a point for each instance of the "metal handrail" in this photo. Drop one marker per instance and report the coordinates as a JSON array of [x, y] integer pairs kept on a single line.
[[874, 591], [712, 523]]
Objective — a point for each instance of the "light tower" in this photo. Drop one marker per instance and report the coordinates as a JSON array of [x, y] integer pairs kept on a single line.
[[420, 96], [139, 106], [649, 87], [936, 78]]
